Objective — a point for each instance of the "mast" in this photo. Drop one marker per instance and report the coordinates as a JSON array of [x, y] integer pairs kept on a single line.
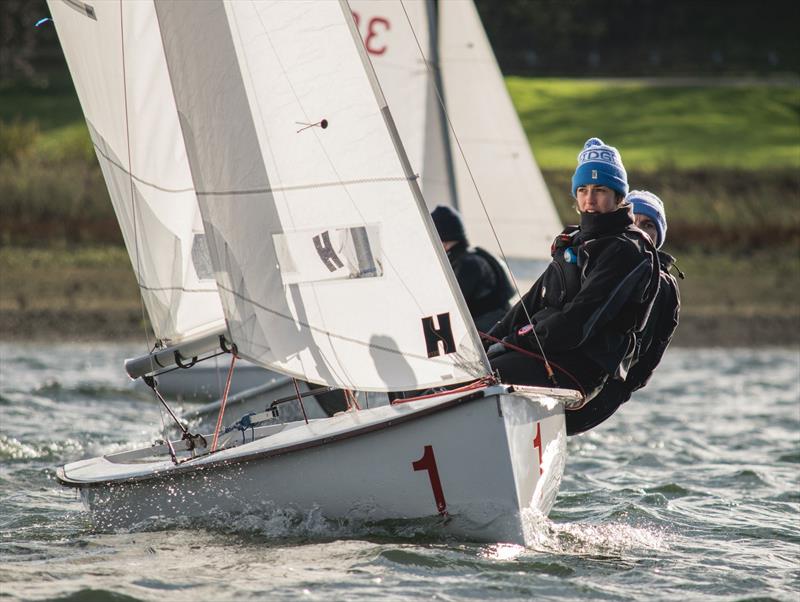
[[437, 100]]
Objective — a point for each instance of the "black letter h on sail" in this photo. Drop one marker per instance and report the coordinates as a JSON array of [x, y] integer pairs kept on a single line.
[[434, 336], [322, 242]]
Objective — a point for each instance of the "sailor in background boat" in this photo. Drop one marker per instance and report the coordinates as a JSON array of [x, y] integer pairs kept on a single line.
[[650, 217], [584, 312], [482, 280]]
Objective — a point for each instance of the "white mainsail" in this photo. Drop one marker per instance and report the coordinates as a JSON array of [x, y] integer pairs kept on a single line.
[[488, 130], [326, 259], [114, 53]]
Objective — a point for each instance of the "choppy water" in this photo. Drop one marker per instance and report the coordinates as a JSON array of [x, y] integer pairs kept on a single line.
[[691, 491]]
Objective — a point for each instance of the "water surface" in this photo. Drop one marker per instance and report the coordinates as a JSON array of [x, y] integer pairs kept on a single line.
[[691, 491]]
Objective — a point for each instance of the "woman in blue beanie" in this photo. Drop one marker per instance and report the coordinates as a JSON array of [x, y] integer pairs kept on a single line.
[[649, 216], [585, 310]]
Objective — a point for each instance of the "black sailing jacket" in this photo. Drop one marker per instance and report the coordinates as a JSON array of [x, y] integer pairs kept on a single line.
[[655, 338], [594, 296]]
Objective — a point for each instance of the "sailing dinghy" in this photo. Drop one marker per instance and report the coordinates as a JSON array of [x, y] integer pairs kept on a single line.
[[328, 269]]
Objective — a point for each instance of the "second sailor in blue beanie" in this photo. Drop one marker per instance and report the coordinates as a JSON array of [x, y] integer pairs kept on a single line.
[[647, 204]]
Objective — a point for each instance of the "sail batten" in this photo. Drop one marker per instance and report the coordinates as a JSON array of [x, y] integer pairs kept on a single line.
[[324, 259]]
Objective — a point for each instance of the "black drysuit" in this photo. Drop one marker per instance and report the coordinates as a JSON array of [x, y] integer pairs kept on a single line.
[[586, 308]]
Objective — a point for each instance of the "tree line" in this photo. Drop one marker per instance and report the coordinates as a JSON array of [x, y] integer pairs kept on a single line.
[[572, 38]]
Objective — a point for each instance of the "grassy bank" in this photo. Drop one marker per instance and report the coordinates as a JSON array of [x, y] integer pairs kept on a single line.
[[725, 159], [748, 127]]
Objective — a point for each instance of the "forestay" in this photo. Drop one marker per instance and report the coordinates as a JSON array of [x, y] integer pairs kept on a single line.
[[323, 248], [115, 56]]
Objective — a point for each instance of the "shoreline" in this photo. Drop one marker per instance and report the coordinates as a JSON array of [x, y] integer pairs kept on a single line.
[[126, 325]]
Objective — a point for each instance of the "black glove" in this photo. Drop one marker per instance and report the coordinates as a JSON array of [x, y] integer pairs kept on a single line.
[[495, 349]]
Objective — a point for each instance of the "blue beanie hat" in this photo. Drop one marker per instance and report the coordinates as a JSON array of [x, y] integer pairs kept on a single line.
[[448, 224], [601, 165], [646, 203]]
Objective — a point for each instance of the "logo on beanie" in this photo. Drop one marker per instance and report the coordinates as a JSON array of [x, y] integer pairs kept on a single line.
[[594, 174], [598, 154]]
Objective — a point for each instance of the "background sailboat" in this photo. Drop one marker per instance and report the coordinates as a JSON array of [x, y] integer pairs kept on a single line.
[[455, 116]]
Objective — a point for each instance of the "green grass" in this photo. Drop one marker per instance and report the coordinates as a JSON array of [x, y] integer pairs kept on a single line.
[[655, 126], [724, 158], [86, 277]]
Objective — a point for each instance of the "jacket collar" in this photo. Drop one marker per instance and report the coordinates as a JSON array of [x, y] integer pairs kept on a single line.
[[595, 225]]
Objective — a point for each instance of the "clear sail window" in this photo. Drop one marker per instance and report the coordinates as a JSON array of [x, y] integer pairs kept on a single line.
[[201, 258], [329, 254]]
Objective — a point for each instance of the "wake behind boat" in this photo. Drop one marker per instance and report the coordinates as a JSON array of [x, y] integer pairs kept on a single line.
[[284, 224]]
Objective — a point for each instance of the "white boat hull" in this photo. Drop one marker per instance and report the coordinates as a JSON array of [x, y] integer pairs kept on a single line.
[[489, 461]]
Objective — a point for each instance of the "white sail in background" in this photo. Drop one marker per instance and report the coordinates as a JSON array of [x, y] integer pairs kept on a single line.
[[327, 262], [115, 56], [481, 113], [495, 146], [393, 34]]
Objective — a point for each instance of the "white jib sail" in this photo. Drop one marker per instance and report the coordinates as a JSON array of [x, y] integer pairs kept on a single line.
[[115, 56], [324, 254], [495, 146]]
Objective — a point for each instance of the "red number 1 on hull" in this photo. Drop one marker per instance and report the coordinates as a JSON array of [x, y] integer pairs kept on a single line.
[[537, 443], [428, 462]]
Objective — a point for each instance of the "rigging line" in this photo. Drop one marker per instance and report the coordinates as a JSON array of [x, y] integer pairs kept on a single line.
[[182, 289], [130, 175], [300, 399], [472, 179], [414, 189], [223, 403]]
